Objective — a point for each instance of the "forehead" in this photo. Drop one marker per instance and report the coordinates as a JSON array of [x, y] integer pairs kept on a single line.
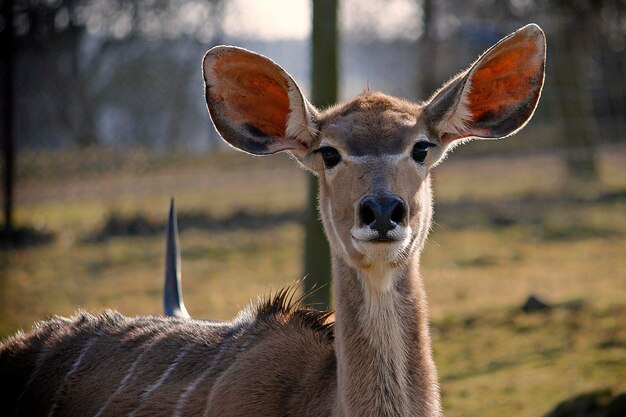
[[373, 124]]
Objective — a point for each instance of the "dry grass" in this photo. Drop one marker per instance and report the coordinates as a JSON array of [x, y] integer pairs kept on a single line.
[[505, 228]]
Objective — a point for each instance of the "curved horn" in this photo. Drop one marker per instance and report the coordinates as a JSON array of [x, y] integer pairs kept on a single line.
[[173, 305]]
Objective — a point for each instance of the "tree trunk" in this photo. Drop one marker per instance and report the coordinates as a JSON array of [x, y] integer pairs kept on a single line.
[[324, 77], [428, 77], [86, 133], [574, 101], [8, 148]]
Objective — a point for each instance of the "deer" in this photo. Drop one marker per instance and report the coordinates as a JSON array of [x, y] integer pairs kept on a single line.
[[372, 357]]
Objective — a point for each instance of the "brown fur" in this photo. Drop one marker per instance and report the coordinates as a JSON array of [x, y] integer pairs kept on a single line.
[[277, 359], [35, 367]]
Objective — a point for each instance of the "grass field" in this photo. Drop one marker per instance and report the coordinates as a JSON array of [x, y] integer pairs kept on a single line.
[[504, 229]]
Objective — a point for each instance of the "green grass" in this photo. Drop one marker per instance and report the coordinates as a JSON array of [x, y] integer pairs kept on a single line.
[[504, 229]]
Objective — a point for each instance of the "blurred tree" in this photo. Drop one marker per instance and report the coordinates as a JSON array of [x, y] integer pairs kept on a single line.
[[586, 82], [50, 30], [136, 22], [7, 43], [576, 30], [428, 77], [324, 93], [83, 45]]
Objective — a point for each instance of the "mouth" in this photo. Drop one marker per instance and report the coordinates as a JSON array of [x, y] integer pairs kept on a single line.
[[384, 239], [377, 240], [389, 247], [366, 234]]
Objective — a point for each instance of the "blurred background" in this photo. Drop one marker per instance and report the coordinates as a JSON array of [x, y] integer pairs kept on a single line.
[[103, 119]]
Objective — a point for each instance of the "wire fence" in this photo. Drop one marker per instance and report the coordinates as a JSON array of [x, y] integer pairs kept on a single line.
[[103, 88]]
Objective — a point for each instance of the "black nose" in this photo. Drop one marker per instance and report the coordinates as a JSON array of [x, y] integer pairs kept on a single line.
[[382, 213]]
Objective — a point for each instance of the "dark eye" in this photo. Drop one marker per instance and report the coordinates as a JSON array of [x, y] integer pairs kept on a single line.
[[330, 156], [420, 151]]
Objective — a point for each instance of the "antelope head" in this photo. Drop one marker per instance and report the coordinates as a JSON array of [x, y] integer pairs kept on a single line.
[[373, 154]]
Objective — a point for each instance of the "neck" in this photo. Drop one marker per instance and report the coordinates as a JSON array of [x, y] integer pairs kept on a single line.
[[383, 348]]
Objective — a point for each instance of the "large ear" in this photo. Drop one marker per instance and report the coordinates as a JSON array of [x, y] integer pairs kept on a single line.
[[255, 105], [497, 95]]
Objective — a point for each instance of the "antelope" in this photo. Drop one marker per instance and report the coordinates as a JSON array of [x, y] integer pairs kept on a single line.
[[372, 156]]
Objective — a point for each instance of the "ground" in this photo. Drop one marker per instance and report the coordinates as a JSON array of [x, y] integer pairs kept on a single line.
[[505, 228]]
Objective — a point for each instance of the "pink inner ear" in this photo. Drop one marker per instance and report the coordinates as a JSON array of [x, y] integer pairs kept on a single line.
[[506, 78], [252, 91]]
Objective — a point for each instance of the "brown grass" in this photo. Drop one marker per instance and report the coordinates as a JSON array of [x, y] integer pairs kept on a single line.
[[505, 228]]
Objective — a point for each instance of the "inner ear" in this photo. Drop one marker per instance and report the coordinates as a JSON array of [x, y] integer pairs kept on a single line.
[[505, 84], [255, 105], [251, 92], [497, 95]]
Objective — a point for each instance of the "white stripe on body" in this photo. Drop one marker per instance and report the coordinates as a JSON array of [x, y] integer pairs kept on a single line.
[[217, 359], [41, 358], [128, 375], [71, 372], [149, 390], [187, 391]]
